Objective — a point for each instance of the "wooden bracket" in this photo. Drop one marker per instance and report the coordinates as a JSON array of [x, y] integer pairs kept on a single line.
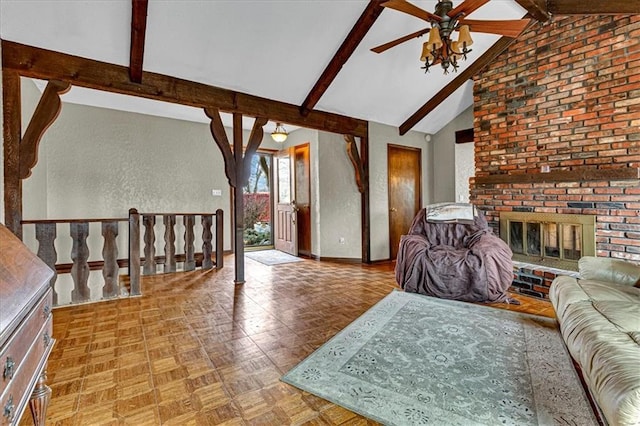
[[45, 114], [220, 136], [352, 152], [252, 146]]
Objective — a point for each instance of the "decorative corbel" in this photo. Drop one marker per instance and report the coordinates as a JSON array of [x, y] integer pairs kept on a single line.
[[44, 115], [252, 146], [352, 152], [220, 136]]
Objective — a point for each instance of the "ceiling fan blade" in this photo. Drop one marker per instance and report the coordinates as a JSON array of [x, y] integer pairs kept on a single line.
[[389, 45], [511, 28], [466, 7], [406, 7]]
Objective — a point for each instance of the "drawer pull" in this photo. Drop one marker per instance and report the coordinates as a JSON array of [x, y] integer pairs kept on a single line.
[[46, 311], [8, 368], [9, 409], [47, 339]]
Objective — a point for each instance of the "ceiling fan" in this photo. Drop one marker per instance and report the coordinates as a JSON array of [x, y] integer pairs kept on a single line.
[[441, 48]]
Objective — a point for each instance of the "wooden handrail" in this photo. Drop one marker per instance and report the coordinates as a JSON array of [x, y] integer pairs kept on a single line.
[[46, 234]]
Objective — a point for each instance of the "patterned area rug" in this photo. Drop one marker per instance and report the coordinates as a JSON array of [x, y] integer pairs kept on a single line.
[[271, 257], [413, 360]]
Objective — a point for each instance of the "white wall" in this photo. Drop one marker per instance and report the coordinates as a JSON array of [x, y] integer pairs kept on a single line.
[[380, 136], [444, 150]]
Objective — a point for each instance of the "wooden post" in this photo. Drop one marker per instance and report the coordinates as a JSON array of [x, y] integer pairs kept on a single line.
[[169, 221], [134, 252], [219, 239], [79, 255], [110, 256], [46, 236], [149, 267], [189, 221], [364, 197], [11, 135], [206, 241], [238, 199]]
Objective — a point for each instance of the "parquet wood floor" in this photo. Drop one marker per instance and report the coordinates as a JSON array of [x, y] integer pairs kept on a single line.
[[197, 350]]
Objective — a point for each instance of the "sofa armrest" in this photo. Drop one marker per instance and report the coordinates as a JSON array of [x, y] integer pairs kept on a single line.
[[609, 270]]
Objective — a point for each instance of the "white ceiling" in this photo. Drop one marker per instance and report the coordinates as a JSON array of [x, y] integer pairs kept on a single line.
[[271, 48]]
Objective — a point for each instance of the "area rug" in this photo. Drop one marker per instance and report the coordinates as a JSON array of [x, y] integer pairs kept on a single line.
[[414, 359], [272, 257]]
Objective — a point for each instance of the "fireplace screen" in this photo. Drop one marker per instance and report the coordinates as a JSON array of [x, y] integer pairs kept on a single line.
[[556, 240]]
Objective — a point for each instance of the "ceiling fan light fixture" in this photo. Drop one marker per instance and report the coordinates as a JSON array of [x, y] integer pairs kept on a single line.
[[464, 37], [279, 134], [435, 42], [426, 52]]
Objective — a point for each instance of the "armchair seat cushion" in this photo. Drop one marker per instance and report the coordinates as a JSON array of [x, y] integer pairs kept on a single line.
[[454, 260]]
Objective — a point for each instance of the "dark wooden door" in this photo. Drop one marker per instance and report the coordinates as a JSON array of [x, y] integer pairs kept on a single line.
[[404, 174], [286, 232], [303, 198]]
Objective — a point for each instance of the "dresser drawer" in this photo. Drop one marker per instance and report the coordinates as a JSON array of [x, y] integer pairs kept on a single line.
[[15, 396], [13, 355]]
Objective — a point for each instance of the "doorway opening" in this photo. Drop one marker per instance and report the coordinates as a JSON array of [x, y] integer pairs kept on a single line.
[[258, 203]]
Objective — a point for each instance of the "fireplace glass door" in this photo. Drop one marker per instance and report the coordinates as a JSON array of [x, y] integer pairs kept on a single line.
[[557, 240]]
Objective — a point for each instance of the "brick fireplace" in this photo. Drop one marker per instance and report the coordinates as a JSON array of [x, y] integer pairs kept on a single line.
[[557, 130]]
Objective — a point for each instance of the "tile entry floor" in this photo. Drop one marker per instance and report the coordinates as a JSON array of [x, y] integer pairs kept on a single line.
[[197, 350]]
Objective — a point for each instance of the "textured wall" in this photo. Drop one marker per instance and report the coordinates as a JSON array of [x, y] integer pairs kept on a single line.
[[340, 227], [565, 95]]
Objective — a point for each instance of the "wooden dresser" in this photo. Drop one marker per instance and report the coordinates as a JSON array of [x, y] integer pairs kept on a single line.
[[26, 325]]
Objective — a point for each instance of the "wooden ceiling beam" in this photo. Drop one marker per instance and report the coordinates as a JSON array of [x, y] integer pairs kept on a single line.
[[593, 7], [349, 45], [536, 8], [44, 64], [495, 50], [138, 31]]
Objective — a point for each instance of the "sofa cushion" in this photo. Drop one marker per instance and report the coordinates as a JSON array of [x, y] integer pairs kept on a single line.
[[600, 323], [609, 269]]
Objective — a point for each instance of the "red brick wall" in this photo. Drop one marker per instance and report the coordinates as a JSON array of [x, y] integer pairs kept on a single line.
[[566, 95]]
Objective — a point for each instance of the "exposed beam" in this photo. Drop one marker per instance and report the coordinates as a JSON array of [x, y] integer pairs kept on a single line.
[[360, 163], [495, 50], [349, 45], [138, 30], [45, 64], [593, 7], [44, 115], [536, 8]]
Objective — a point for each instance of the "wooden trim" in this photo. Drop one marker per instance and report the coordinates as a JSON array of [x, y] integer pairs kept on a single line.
[[11, 135], [536, 8], [138, 31], [365, 214], [45, 114], [44, 64], [500, 46], [593, 7], [346, 49], [97, 265], [627, 173], [464, 136]]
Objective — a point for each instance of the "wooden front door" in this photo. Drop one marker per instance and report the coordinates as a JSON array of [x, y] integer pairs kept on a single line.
[[286, 231], [302, 199], [404, 174]]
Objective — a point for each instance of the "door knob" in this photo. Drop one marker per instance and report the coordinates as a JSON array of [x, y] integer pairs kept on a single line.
[[393, 209]]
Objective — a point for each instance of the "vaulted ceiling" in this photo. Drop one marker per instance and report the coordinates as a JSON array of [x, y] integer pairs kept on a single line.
[[313, 54]]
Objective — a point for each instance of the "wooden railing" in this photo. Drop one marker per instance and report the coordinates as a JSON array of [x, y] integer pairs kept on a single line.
[[189, 257], [81, 252]]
